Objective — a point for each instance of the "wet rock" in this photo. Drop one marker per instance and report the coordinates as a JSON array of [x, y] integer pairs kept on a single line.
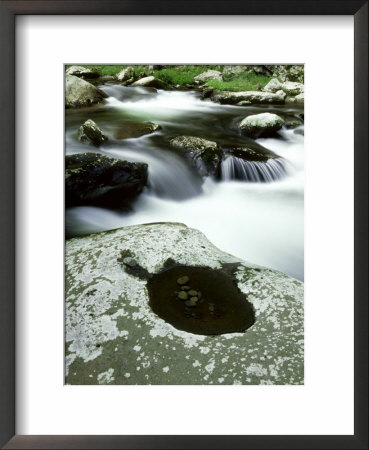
[[271, 351], [82, 72], [183, 280], [252, 97], [185, 288], [190, 303], [80, 93], [131, 130], [151, 82], [94, 179], [292, 122], [182, 295], [204, 155], [209, 75], [125, 74], [192, 293], [89, 132], [249, 153], [207, 92], [194, 299], [263, 124]]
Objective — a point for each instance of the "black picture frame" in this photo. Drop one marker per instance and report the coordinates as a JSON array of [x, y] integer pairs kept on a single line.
[[8, 11]]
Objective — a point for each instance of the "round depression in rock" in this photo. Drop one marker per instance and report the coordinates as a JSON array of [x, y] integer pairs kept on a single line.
[[200, 300]]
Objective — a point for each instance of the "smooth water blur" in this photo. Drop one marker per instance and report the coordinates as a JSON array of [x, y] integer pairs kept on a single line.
[[259, 222]]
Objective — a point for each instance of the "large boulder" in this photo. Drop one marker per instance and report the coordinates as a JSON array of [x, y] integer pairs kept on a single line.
[[113, 335], [89, 132], [82, 72], [263, 124], [248, 97], [151, 82], [130, 130], [205, 155], [125, 74], [95, 179], [208, 76], [80, 93]]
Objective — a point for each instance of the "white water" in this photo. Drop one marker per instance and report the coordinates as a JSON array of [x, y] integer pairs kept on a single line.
[[259, 222]]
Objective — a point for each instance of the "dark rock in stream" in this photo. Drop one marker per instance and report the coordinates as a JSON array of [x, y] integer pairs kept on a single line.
[[89, 132], [250, 154], [205, 155], [95, 179]]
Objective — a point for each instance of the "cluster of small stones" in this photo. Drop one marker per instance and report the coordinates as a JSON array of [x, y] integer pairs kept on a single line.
[[191, 297]]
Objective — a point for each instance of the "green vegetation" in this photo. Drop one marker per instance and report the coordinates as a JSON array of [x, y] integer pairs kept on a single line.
[[183, 75], [246, 81]]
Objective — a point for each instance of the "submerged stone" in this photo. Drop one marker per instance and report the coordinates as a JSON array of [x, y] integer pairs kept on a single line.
[[183, 280]]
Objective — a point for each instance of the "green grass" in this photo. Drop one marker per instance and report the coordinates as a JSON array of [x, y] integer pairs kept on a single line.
[[247, 81], [182, 75]]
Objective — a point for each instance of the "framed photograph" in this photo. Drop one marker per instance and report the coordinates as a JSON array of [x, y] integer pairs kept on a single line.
[[184, 224]]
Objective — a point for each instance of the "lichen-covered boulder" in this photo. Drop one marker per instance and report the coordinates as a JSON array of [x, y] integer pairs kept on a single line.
[[125, 74], [292, 88], [95, 179], [248, 97], [80, 93], [151, 82], [274, 85], [113, 336], [83, 72], [263, 124], [208, 76], [89, 132], [205, 155]]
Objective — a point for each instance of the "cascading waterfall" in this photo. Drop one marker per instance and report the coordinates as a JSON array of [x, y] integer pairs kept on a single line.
[[259, 220], [234, 168]]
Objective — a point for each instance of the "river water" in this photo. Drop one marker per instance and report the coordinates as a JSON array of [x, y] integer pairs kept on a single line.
[[255, 212]]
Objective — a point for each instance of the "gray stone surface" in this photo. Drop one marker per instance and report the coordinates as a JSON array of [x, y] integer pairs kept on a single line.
[[261, 124], [113, 337], [248, 97], [80, 93], [209, 75]]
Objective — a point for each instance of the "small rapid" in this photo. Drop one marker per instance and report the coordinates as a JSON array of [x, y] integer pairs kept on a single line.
[[255, 211]]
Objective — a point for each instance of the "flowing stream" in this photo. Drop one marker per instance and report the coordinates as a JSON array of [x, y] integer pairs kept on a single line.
[[256, 210]]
